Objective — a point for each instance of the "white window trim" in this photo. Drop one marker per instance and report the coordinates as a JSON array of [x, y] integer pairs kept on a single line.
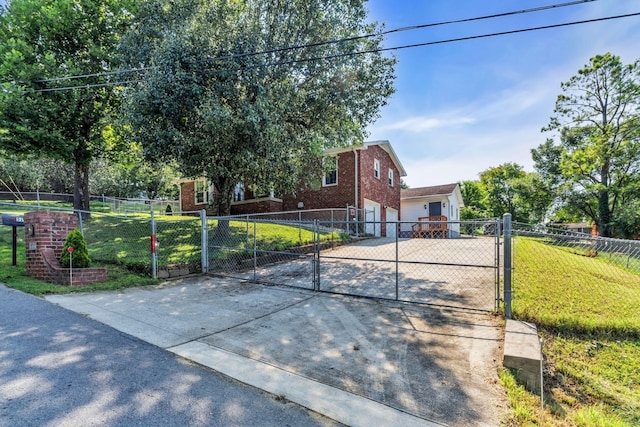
[[324, 176], [376, 168], [391, 177], [204, 192]]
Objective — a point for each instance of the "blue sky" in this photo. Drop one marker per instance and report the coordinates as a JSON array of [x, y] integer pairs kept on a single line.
[[461, 108]]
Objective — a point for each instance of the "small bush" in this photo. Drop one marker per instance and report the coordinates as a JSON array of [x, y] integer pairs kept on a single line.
[[80, 254]]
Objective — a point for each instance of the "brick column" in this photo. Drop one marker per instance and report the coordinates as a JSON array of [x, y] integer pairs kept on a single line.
[[45, 231], [45, 234]]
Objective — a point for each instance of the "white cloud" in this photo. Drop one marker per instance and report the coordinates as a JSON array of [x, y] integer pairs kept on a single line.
[[420, 124]]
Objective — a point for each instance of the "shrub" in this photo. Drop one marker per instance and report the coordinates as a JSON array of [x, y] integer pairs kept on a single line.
[[80, 254]]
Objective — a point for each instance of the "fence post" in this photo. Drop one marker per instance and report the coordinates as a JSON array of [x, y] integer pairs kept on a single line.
[[498, 234], [346, 228], [80, 224], [248, 230], [204, 231], [507, 265], [397, 259], [316, 256], [154, 248], [255, 251]]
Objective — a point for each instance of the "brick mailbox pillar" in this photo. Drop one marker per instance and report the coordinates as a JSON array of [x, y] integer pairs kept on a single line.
[[45, 234]]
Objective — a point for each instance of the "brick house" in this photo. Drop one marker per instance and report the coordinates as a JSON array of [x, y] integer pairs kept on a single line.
[[366, 177]]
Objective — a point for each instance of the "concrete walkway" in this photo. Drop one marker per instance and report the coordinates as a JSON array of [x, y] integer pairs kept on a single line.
[[359, 362]]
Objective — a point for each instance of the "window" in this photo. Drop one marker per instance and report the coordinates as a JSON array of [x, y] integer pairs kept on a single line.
[[238, 192], [202, 193], [391, 177], [331, 172], [376, 168]]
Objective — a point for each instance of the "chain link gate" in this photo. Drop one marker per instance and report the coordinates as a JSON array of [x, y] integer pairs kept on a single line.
[[254, 249], [459, 269]]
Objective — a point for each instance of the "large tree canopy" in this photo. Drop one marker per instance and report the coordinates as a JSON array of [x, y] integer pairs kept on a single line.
[[245, 90], [595, 163], [44, 42]]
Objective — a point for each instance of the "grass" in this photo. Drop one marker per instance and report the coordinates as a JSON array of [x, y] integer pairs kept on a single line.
[[126, 240], [587, 313], [123, 245], [16, 276]]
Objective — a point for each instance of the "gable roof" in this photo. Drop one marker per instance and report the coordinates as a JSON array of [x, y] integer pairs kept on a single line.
[[436, 190], [385, 145]]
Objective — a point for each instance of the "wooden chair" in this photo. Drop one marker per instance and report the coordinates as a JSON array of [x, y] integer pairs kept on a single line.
[[433, 227]]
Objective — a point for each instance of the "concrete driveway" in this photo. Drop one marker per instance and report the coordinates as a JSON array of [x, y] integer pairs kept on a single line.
[[452, 272], [357, 361]]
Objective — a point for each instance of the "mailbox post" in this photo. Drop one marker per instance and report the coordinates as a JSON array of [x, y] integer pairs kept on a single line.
[[15, 221]]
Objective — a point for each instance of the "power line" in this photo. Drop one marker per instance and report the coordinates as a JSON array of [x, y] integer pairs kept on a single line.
[[329, 42], [344, 55]]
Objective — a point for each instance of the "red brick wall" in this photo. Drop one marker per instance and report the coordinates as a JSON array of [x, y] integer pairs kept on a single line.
[[188, 197], [369, 187], [334, 196], [260, 206], [378, 190], [44, 246]]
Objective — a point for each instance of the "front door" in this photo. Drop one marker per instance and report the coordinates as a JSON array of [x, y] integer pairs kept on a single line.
[[435, 208]]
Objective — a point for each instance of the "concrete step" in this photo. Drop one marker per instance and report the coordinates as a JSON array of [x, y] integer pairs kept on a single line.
[[523, 353]]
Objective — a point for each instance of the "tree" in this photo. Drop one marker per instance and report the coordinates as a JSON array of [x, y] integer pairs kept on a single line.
[[44, 110], [474, 196], [597, 154], [210, 101], [500, 188], [507, 188]]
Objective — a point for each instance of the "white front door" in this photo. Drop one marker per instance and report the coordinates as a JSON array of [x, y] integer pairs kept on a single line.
[[372, 217], [392, 222]]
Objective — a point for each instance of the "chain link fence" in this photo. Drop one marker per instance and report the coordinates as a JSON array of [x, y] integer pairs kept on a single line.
[[163, 246], [349, 219], [126, 240], [460, 269], [560, 276]]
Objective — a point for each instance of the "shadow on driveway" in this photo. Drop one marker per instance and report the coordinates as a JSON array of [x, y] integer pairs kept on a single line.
[[437, 364]]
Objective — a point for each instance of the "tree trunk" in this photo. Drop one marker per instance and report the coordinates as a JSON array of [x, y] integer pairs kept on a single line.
[[81, 188], [225, 190], [604, 214]]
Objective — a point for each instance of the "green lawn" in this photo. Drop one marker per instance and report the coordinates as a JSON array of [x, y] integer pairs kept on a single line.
[[588, 314], [123, 245], [16, 276]]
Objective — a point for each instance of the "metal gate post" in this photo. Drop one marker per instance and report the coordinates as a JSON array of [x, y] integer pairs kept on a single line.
[[507, 265], [255, 251], [498, 228], [154, 248], [316, 256], [204, 232], [397, 258]]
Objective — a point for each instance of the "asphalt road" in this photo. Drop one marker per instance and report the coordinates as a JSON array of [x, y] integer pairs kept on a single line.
[[58, 368]]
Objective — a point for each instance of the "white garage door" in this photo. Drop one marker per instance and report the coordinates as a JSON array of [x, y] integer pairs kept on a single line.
[[392, 219], [372, 225]]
